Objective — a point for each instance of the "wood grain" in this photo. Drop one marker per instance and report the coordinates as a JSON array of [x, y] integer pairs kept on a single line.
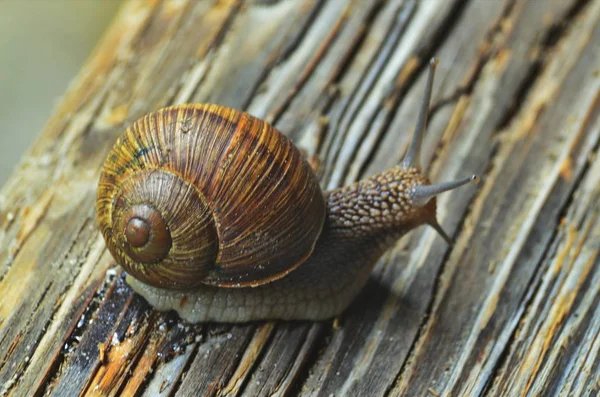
[[510, 309]]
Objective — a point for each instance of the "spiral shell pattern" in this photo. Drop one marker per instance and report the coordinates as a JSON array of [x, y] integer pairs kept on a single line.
[[203, 194]]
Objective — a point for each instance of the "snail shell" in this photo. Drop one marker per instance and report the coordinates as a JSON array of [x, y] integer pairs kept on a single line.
[[203, 194]]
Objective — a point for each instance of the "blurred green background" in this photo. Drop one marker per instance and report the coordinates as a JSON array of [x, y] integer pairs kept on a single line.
[[43, 44]]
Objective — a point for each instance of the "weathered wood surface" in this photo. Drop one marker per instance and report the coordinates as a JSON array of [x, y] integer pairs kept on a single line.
[[511, 309]]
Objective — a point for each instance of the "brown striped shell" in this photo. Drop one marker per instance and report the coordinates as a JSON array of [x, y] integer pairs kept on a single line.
[[203, 194]]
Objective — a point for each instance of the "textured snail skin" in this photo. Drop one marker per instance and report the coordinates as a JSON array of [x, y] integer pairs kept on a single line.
[[362, 221]]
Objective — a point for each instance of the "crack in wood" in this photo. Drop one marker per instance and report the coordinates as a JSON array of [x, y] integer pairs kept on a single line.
[[280, 55], [372, 73], [211, 48], [535, 283]]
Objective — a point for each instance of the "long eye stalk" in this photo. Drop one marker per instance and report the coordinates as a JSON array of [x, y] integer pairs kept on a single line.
[[413, 156], [422, 194]]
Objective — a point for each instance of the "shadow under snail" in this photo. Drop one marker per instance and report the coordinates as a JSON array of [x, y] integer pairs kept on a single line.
[[215, 214]]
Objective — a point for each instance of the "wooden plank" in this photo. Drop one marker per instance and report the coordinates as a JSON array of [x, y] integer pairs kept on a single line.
[[510, 309], [503, 234]]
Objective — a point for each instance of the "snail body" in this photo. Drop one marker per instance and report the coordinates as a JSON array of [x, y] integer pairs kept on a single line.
[[215, 214]]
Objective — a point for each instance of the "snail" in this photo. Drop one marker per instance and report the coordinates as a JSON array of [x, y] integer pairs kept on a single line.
[[215, 214]]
